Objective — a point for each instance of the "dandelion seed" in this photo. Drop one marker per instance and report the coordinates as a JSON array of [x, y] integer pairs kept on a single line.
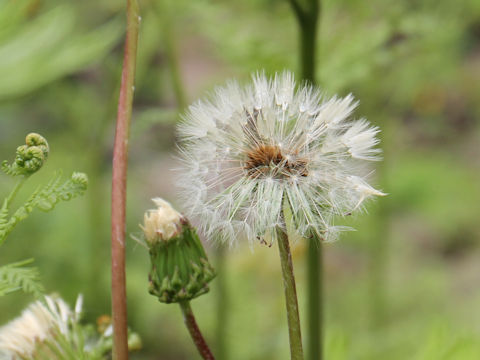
[[248, 151]]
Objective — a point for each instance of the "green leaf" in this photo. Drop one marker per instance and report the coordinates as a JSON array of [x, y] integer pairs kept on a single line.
[[12, 13], [16, 276], [47, 48]]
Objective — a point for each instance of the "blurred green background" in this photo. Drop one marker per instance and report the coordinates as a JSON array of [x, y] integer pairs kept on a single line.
[[405, 285]]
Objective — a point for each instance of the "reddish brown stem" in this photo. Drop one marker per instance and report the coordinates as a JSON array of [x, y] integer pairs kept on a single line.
[[195, 332], [119, 185]]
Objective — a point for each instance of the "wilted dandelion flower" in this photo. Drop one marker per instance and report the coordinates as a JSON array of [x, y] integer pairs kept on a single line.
[[42, 327], [162, 223], [248, 151]]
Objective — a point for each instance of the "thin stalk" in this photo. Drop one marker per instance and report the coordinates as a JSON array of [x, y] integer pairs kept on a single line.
[[9, 199], [119, 185], [222, 304], [166, 13], [172, 57], [15, 190], [308, 40], [294, 330], [194, 331], [315, 300], [308, 18]]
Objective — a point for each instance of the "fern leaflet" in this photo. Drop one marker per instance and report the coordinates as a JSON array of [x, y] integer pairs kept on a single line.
[[16, 276], [43, 199]]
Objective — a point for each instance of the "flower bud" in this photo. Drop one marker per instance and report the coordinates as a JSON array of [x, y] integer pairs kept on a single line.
[[180, 269]]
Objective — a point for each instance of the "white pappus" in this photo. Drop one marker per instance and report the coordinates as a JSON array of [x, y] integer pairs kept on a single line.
[[250, 152], [39, 329]]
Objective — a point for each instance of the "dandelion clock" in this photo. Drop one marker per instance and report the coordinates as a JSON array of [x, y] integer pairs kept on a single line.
[[248, 151]]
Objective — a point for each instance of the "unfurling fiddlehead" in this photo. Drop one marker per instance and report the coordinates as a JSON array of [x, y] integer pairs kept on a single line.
[[29, 157]]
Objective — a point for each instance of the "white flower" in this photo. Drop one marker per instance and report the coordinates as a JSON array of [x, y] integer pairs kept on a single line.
[[247, 152], [40, 324], [162, 223]]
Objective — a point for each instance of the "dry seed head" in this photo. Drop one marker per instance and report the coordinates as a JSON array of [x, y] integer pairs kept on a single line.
[[269, 160], [248, 151]]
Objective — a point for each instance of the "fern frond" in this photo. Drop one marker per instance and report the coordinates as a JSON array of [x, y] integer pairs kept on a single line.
[[16, 276], [44, 199], [4, 221], [56, 191], [3, 214]]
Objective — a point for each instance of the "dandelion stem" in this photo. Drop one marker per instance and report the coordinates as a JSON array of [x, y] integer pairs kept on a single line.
[[315, 300], [308, 18], [308, 39], [222, 304], [294, 330], [194, 331], [119, 185]]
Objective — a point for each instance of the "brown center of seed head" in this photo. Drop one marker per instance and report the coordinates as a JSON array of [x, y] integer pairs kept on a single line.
[[268, 160]]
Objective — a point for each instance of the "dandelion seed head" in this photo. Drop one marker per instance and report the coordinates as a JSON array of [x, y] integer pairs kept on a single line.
[[248, 151]]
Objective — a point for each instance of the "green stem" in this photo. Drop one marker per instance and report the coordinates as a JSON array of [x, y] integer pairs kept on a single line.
[[308, 40], [15, 190], [194, 331], [314, 299], [222, 304], [6, 204], [119, 185], [308, 18], [166, 14], [294, 329]]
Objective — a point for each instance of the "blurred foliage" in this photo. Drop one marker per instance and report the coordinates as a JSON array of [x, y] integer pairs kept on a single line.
[[35, 50], [414, 66]]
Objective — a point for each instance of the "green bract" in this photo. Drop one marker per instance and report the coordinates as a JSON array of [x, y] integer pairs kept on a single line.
[[180, 270]]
